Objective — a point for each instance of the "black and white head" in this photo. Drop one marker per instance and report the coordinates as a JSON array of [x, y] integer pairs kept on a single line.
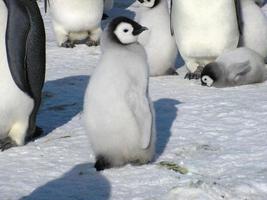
[[210, 74], [124, 30], [149, 3]]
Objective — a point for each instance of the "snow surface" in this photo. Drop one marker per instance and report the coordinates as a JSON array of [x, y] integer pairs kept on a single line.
[[218, 135]]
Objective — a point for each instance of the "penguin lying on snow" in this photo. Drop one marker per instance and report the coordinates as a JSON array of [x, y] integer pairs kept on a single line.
[[238, 67], [118, 113], [22, 70], [78, 20], [204, 29], [158, 42]]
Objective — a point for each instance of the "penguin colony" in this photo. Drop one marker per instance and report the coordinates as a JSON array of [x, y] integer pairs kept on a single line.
[[222, 42]]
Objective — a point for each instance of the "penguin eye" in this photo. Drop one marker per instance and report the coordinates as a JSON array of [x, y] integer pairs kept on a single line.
[[125, 30]]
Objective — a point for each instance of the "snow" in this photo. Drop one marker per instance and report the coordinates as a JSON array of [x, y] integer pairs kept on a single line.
[[218, 135]]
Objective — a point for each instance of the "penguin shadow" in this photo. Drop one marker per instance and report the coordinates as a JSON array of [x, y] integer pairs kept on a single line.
[[80, 183], [166, 113], [62, 100]]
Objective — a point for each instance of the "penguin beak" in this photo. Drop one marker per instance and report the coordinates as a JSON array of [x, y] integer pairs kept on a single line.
[[140, 30]]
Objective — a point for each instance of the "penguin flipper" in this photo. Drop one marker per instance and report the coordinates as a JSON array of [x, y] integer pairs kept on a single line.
[[143, 116], [239, 69], [171, 26], [35, 60], [239, 16], [25, 41], [18, 26], [147, 127]]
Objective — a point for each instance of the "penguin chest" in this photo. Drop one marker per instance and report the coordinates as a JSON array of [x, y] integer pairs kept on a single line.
[[255, 28], [78, 15], [205, 27], [15, 105]]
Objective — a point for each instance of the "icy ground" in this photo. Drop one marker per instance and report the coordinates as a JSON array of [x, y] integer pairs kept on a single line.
[[213, 141]]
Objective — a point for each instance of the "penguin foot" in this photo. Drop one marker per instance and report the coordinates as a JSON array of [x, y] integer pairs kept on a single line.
[[105, 16], [102, 163], [38, 132], [68, 44], [6, 143], [172, 72], [195, 75], [91, 43]]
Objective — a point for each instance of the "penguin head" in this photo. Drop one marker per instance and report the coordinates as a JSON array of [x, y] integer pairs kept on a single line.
[[210, 74], [149, 3], [125, 31]]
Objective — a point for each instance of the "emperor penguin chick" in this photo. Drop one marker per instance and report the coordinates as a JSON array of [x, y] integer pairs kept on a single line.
[[241, 66], [77, 20], [254, 27], [118, 113], [158, 41]]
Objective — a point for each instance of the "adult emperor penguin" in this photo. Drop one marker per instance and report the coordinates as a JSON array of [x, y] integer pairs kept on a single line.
[[123, 132], [77, 20], [22, 70], [158, 41], [254, 27], [240, 66], [203, 30]]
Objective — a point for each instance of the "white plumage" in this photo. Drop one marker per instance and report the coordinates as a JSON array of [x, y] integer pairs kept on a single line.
[[158, 42], [77, 20], [255, 27], [237, 67], [204, 29], [123, 131], [15, 105]]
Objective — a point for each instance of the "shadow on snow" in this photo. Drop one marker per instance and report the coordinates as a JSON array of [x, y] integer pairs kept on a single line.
[[62, 100], [81, 183], [166, 113]]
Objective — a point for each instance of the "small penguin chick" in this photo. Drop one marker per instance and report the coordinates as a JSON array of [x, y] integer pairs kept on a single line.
[[158, 42], [241, 66], [125, 31], [254, 27], [124, 132]]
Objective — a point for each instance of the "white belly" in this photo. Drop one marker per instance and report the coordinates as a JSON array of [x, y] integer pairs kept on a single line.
[[15, 106], [158, 42], [255, 27], [204, 28], [77, 15]]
